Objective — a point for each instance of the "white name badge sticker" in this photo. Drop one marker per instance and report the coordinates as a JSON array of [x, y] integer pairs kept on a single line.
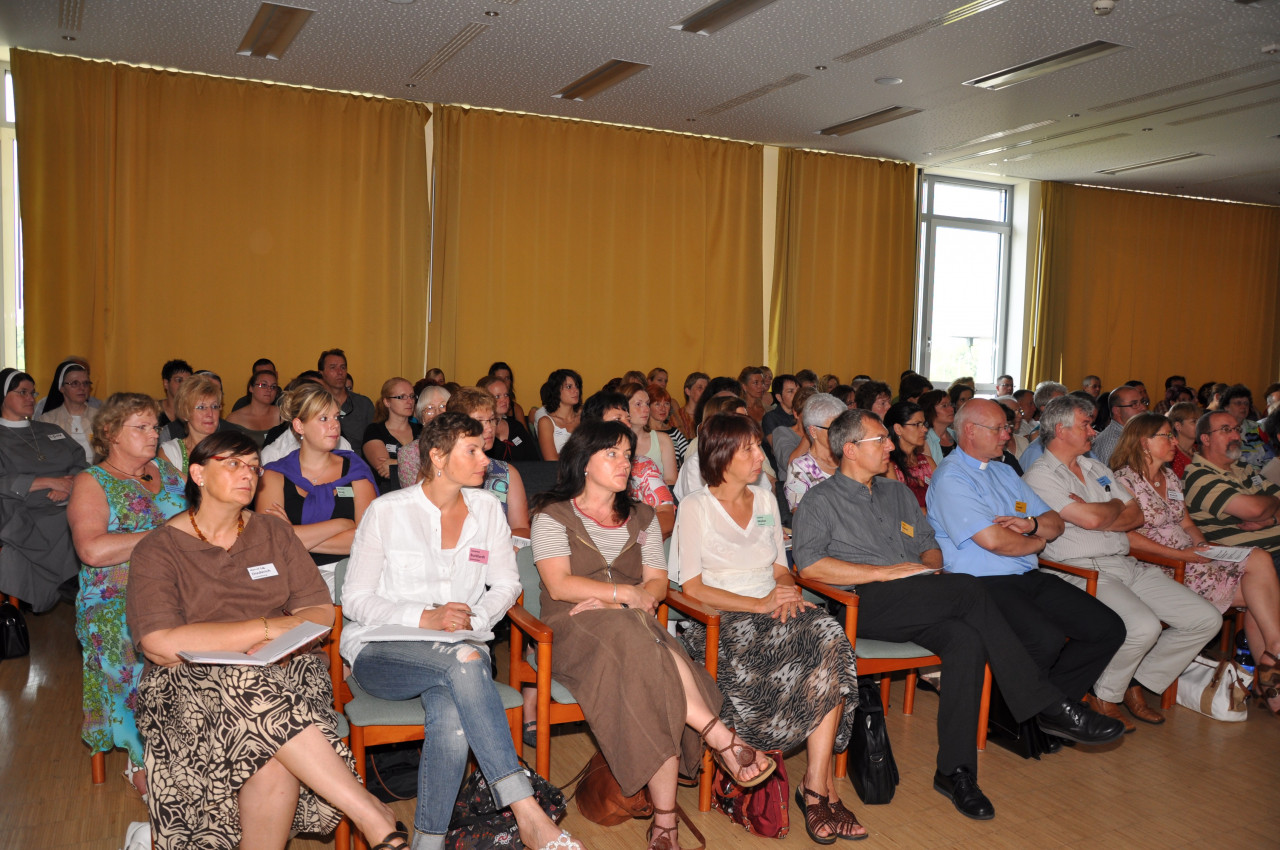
[[764, 520], [1257, 479], [263, 571], [1175, 495], [515, 441], [344, 492], [61, 436]]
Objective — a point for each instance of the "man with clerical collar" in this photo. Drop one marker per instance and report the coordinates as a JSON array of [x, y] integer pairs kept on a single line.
[[989, 523], [1098, 512], [860, 529]]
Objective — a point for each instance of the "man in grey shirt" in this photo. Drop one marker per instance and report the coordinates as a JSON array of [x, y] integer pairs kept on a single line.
[[860, 529], [354, 410]]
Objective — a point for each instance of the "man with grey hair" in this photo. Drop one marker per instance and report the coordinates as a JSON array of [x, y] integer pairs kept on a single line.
[[1125, 402], [1092, 384], [818, 463], [1098, 512], [858, 528]]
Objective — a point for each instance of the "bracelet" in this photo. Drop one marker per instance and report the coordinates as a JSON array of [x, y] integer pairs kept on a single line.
[[615, 593], [1035, 527], [266, 630]]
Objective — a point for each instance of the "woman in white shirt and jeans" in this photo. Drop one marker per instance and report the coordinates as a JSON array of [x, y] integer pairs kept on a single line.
[[438, 556]]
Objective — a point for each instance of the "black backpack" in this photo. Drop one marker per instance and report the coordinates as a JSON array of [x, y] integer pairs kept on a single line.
[[14, 642], [871, 765]]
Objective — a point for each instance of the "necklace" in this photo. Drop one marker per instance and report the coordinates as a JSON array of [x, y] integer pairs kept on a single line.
[[196, 528], [34, 444], [590, 517], [146, 476]]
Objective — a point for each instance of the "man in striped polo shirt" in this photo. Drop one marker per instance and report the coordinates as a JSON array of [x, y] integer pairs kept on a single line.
[[1229, 500]]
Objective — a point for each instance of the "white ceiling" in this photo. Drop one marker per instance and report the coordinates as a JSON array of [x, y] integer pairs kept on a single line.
[[1194, 81]]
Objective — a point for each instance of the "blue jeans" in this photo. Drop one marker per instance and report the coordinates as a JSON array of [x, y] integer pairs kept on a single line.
[[463, 711]]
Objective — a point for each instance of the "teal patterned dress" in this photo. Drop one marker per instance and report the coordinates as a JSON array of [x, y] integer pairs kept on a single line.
[[111, 666]]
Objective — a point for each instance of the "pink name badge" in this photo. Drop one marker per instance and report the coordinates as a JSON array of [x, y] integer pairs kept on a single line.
[[479, 556], [641, 537]]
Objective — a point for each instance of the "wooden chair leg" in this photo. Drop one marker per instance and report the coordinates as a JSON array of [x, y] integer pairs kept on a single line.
[[98, 768], [909, 694], [984, 708], [1170, 696], [342, 835], [705, 780]]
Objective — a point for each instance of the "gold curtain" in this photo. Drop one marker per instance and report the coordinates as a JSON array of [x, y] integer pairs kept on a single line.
[[844, 270], [598, 248], [176, 215], [1144, 286]]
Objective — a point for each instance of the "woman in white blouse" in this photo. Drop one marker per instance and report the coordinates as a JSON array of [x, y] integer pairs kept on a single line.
[[438, 557], [728, 552]]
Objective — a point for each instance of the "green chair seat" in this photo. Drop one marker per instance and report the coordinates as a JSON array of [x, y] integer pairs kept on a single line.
[[868, 648], [367, 710]]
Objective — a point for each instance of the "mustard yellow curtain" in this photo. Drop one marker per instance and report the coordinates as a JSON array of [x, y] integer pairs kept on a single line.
[[844, 269], [1143, 286], [592, 247], [176, 215]]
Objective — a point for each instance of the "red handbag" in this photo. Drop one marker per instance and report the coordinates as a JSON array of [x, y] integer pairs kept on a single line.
[[763, 810]]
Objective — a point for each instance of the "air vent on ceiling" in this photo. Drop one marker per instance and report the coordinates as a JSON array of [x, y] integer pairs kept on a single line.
[[990, 137], [871, 119], [463, 37], [1046, 65], [606, 76], [719, 15], [70, 14], [753, 94], [919, 29], [1189, 84], [273, 29], [1230, 110], [1151, 163]]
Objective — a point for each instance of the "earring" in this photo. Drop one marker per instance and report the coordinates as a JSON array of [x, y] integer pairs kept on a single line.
[[439, 473]]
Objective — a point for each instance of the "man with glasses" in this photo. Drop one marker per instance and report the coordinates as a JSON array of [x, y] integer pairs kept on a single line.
[[1097, 512], [860, 529], [1254, 449], [1227, 499], [1125, 403], [989, 523]]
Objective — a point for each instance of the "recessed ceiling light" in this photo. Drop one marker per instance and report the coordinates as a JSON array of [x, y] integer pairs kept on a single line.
[[819, 67], [1074, 115], [407, 85], [68, 38], [1046, 65], [691, 119], [273, 29], [719, 15], [1146, 129], [400, 2], [872, 119], [491, 14], [889, 81], [607, 75]]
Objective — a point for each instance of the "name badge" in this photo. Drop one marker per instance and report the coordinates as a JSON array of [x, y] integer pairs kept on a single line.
[[1175, 495], [641, 537], [60, 436], [263, 571], [765, 520], [908, 529], [1020, 507], [1257, 479], [515, 441], [344, 492], [479, 556], [1104, 481], [392, 448]]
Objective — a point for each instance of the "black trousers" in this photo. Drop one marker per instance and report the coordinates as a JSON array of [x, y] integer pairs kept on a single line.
[[955, 618], [1044, 611]]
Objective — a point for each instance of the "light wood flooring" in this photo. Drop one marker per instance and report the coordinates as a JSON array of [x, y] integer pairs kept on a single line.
[[1192, 782]]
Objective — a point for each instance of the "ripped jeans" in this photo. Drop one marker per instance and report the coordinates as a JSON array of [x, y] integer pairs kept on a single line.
[[463, 711]]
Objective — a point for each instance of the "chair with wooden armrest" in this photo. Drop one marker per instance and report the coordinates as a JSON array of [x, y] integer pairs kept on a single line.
[[884, 657], [371, 721], [710, 618]]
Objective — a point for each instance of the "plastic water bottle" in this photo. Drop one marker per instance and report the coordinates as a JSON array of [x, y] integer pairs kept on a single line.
[[1243, 657]]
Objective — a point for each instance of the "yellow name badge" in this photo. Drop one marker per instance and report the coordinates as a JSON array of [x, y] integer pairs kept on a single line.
[[908, 530], [1020, 507]]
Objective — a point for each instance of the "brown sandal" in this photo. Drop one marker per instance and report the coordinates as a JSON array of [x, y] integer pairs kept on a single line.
[[845, 819], [663, 837], [746, 756], [816, 815]]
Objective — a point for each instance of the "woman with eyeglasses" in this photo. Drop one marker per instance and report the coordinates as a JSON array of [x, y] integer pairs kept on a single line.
[[511, 439], [114, 506], [432, 401], [67, 404], [817, 464], [939, 413], [1141, 460], [320, 489], [909, 462], [38, 464], [199, 407], [390, 432], [260, 416]]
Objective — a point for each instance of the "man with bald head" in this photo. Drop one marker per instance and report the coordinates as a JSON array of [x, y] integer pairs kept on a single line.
[[1125, 402], [991, 524]]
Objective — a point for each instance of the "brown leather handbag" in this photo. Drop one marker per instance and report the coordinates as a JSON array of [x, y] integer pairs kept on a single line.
[[600, 796]]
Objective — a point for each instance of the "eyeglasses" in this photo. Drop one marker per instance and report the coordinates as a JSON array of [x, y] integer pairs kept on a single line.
[[26, 393], [438, 408], [215, 407], [266, 386], [917, 425], [1006, 428], [401, 397], [1170, 436], [145, 428], [1228, 429], [78, 385], [877, 440], [235, 464], [493, 421]]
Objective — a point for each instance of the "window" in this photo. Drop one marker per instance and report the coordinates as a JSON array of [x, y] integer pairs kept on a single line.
[[12, 347], [961, 314]]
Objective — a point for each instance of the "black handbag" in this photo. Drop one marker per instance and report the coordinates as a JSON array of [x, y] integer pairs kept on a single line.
[[392, 771], [14, 641], [871, 764], [478, 824]]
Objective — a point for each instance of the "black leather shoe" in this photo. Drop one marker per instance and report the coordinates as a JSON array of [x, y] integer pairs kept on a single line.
[[961, 788], [1081, 724]]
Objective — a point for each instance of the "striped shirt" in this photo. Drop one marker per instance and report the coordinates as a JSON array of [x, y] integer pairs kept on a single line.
[[551, 540], [1209, 488]]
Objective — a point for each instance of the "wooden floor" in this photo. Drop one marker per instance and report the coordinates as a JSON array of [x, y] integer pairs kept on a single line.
[[1166, 787]]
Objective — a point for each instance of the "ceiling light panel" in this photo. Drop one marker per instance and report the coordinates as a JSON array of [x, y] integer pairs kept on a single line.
[[998, 135], [872, 119], [1151, 163], [1190, 84], [888, 41], [605, 77], [273, 29], [719, 15], [1230, 110], [1045, 65]]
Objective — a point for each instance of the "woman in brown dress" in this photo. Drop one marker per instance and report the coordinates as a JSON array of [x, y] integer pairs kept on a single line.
[[603, 575]]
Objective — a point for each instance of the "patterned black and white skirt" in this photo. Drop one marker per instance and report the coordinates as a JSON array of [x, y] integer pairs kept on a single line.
[[208, 728], [780, 679]]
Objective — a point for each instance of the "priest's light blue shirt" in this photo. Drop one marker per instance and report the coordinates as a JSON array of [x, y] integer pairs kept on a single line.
[[965, 496]]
